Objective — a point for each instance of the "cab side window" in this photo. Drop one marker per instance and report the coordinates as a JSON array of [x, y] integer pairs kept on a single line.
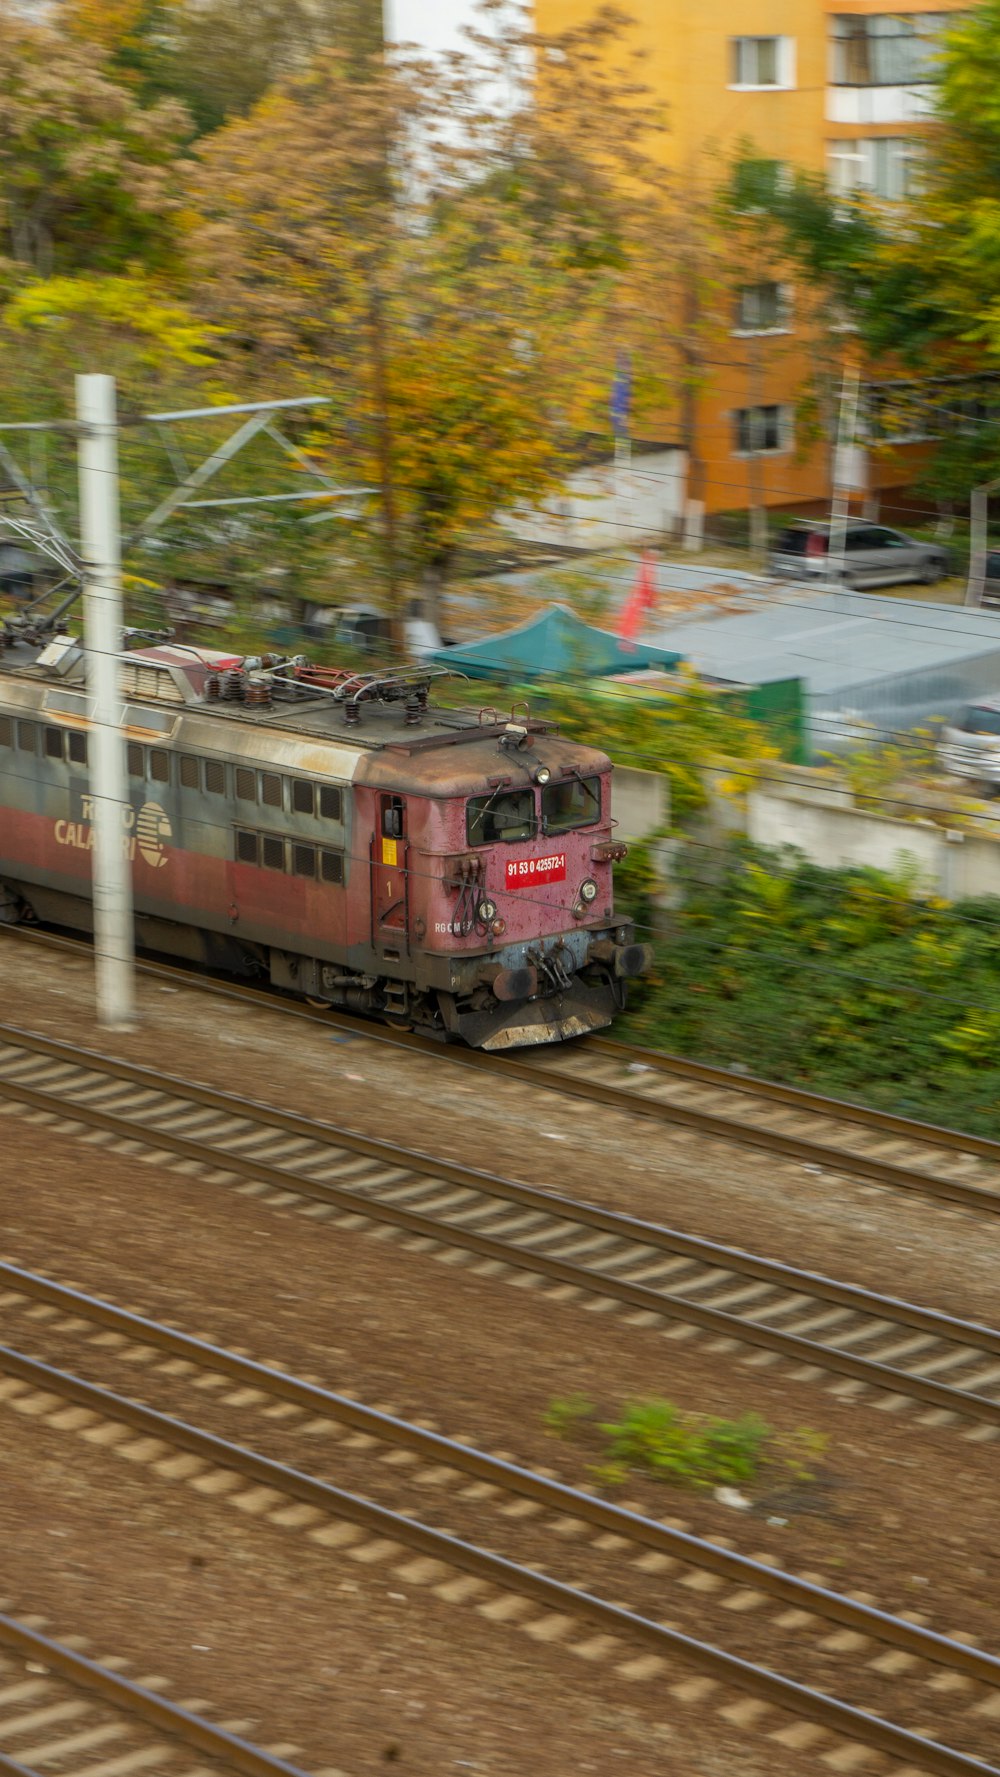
[[392, 817]]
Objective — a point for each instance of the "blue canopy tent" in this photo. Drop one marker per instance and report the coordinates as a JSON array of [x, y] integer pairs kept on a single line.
[[555, 643]]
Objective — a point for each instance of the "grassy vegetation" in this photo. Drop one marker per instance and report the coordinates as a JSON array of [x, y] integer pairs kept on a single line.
[[852, 981], [654, 1437]]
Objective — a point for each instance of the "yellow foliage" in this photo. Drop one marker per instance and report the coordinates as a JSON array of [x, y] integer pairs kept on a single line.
[[130, 303], [108, 23]]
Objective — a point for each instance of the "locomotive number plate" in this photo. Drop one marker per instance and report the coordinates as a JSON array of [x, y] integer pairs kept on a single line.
[[521, 872]]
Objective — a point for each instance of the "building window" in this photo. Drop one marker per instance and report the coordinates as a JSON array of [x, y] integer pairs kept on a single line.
[[886, 166], [885, 49], [761, 62], [757, 429], [763, 308], [77, 748]]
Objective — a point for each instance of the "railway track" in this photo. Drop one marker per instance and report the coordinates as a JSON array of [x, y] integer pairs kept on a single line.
[[61, 1708], [523, 1540], [822, 1328], [828, 1134], [833, 1136]]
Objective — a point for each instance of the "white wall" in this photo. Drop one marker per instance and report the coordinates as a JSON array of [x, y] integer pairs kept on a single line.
[[815, 814], [640, 802], [605, 506]]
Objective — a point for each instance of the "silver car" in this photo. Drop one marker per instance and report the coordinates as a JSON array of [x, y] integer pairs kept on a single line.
[[873, 555]]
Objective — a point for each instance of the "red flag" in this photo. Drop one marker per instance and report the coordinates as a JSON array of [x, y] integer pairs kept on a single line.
[[642, 598]]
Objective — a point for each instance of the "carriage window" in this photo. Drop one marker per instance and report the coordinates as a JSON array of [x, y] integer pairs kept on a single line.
[[189, 771], [246, 784], [330, 802], [53, 743], [574, 803], [331, 866], [136, 760], [6, 732], [501, 818], [26, 737], [246, 847], [270, 789], [78, 748], [302, 796], [303, 860], [215, 777], [159, 765], [272, 853]]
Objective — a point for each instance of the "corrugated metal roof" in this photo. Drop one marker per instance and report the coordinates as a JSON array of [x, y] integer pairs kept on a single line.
[[836, 642]]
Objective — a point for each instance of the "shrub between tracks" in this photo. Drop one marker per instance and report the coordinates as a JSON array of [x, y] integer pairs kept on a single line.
[[688, 1449]]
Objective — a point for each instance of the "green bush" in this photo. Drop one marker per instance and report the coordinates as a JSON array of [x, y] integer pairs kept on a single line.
[[656, 1436], [853, 982], [687, 1449]]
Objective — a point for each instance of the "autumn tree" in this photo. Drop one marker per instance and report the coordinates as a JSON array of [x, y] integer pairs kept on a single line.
[[218, 57], [88, 177], [454, 264]]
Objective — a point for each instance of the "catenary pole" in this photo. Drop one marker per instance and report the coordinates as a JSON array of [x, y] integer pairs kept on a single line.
[[100, 530], [979, 518]]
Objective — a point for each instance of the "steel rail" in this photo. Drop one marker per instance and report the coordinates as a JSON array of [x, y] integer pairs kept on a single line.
[[123, 1693], [511, 1066], [745, 1135], [798, 1098], [392, 1154], [760, 1681], [636, 1295], [556, 1496]]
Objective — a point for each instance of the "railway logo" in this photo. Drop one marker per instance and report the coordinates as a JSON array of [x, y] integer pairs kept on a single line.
[[152, 830], [146, 832]]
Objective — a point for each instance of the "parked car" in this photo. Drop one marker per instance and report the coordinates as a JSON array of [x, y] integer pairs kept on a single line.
[[873, 555], [970, 747]]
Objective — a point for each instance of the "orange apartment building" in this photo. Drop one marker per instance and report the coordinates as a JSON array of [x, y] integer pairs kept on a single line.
[[840, 87]]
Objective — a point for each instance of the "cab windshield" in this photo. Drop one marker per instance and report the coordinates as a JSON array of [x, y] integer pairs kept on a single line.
[[501, 819], [574, 803]]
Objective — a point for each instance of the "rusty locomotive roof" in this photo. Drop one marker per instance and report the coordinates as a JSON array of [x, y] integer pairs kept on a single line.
[[438, 749]]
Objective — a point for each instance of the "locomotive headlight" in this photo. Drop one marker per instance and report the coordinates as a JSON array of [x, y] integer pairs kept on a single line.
[[588, 891], [542, 775], [486, 912]]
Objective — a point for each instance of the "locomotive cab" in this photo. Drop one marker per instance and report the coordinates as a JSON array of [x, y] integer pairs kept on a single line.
[[499, 879]]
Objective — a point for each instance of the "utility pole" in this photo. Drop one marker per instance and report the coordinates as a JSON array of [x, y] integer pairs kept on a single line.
[[844, 471], [978, 520], [755, 489], [100, 533]]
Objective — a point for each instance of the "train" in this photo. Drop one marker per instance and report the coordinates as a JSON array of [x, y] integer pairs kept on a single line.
[[340, 834]]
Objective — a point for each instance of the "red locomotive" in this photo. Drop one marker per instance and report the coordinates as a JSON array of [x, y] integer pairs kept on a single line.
[[333, 831]]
